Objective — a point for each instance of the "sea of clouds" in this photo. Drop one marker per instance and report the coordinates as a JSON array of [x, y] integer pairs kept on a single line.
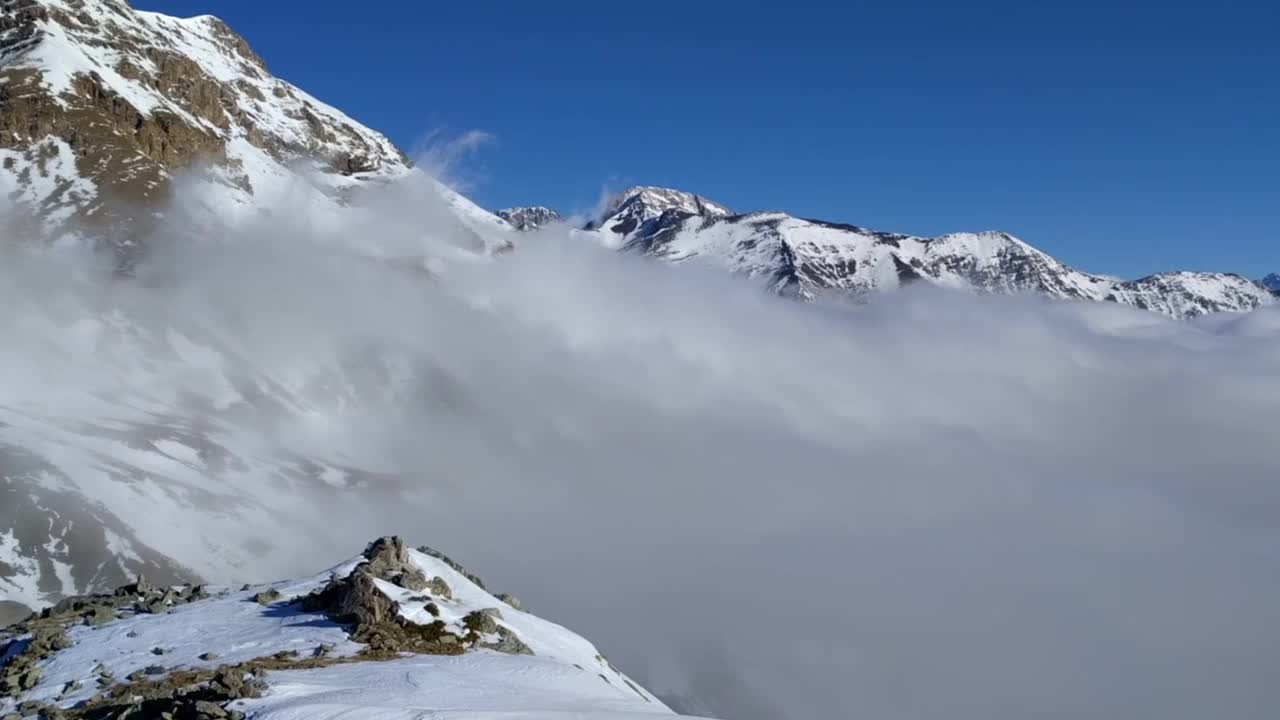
[[934, 505]]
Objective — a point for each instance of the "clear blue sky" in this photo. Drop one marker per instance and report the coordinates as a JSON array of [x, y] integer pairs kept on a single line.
[[1124, 137]]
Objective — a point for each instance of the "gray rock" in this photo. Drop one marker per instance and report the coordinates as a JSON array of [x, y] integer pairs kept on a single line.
[[210, 710], [266, 597], [440, 588], [509, 643], [480, 622]]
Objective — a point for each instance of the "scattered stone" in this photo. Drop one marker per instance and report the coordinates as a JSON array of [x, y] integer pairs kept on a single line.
[[492, 612], [511, 600], [157, 651], [323, 650], [69, 688], [209, 709], [131, 634], [209, 656], [433, 610], [154, 670], [99, 615], [246, 587], [266, 597]]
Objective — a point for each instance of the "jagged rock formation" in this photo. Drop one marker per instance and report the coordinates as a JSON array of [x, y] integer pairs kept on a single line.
[[528, 218], [811, 258]]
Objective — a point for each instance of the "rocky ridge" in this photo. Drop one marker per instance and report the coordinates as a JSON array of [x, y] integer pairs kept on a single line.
[[208, 653]]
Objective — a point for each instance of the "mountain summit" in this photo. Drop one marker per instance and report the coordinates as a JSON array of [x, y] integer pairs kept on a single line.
[[632, 212]]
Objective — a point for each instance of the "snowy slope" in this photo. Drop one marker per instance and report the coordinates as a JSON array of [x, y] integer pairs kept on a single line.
[[809, 258], [1271, 282], [545, 672]]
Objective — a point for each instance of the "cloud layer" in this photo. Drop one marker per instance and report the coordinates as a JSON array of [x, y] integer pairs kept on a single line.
[[933, 506]]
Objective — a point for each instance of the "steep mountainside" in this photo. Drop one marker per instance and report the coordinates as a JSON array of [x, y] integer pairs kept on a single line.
[[809, 258], [102, 107], [1271, 282], [393, 633], [528, 218]]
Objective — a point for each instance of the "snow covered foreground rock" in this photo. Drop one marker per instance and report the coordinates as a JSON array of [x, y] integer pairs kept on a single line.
[[393, 633]]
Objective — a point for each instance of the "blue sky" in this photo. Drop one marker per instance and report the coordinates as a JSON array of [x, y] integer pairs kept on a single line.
[[1123, 137]]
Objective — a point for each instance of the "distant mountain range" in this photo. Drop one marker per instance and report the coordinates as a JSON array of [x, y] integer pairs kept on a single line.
[[807, 258]]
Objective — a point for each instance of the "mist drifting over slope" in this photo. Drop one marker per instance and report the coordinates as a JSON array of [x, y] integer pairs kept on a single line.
[[933, 506]]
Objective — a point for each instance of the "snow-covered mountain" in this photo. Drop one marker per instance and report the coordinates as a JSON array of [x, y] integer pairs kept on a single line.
[[627, 215], [104, 107], [809, 258], [392, 633], [528, 218], [1271, 282]]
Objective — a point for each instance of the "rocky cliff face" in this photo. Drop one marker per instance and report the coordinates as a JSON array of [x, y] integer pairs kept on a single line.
[[101, 106]]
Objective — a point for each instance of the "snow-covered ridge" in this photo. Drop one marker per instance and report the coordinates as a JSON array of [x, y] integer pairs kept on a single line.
[[809, 258], [412, 634], [1271, 282]]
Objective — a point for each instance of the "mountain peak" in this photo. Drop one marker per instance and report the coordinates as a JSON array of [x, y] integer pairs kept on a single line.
[[633, 210], [661, 199], [528, 218], [1271, 282]]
